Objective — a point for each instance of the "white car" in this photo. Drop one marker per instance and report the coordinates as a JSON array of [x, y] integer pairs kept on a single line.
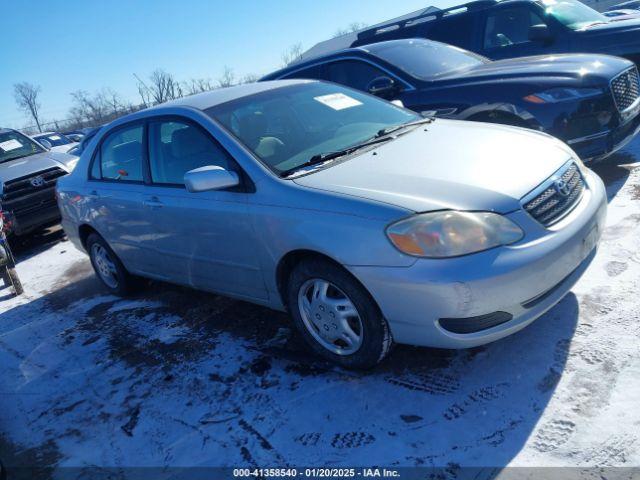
[[54, 141]]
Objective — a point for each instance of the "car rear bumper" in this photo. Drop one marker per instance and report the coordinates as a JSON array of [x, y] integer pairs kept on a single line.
[[523, 281]]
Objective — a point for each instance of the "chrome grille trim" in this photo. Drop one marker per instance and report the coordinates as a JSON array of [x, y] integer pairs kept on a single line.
[[546, 204], [625, 89]]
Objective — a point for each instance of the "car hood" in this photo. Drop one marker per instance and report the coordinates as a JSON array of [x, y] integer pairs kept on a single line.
[[451, 165], [33, 164], [64, 148], [582, 68]]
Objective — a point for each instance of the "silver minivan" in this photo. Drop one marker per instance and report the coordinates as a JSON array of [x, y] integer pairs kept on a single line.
[[369, 223]]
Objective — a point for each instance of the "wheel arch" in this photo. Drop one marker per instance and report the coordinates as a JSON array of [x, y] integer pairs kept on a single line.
[[289, 261], [83, 233]]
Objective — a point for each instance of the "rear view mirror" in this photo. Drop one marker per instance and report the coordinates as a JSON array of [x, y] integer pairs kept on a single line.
[[540, 33], [383, 87], [208, 178]]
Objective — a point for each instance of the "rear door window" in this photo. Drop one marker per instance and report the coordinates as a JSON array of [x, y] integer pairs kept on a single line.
[[121, 155], [353, 73], [455, 30], [315, 72]]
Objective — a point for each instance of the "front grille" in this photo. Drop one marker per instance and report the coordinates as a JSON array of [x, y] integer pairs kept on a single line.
[[625, 88], [23, 186], [22, 197], [559, 195]]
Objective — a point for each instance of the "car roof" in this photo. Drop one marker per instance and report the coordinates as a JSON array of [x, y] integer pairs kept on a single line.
[[44, 134], [368, 34], [370, 49], [203, 101]]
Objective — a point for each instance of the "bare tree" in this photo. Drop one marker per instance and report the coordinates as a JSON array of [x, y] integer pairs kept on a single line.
[[228, 78], [250, 78], [352, 28], [161, 87], [113, 99], [292, 54], [26, 96], [164, 87], [197, 85]]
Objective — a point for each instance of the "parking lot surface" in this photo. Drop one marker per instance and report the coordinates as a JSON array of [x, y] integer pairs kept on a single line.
[[174, 377]]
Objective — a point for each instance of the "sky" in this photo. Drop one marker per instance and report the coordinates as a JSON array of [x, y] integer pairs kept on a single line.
[[69, 45]]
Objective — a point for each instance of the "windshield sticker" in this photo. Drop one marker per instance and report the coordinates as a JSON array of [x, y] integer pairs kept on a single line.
[[338, 101], [10, 145], [54, 137]]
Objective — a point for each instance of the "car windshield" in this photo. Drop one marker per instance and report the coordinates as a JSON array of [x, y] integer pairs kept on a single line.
[[55, 139], [286, 127], [15, 145], [425, 59], [573, 14]]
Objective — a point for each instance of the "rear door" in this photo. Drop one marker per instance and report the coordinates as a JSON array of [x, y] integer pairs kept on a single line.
[[200, 239], [115, 194]]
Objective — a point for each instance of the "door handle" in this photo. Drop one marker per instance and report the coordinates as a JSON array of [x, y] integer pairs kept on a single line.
[[153, 203], [93, 194]]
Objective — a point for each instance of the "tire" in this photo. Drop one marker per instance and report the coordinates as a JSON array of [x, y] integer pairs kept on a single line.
[[354, 340], [12, 276], [119, 282]]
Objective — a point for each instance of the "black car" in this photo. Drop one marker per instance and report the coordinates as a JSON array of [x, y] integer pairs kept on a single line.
[[501, 29], [592, 102]]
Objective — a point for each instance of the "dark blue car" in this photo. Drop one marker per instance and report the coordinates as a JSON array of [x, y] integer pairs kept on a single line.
[[592, 102]]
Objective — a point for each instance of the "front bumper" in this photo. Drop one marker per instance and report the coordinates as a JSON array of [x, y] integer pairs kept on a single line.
[[598, 146], [34, 218], [524, 280]]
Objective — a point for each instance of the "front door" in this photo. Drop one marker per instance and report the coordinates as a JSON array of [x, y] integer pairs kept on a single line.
[[506, 33], [200, 239]]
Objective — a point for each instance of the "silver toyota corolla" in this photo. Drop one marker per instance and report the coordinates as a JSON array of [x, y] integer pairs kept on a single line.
[[367, 222]]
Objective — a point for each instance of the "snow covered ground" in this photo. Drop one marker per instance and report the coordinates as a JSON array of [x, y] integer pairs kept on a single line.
[[182, 378]]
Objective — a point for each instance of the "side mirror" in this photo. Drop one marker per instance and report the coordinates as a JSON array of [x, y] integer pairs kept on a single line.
[[45, 143], [384, 87], [208, 178], [540, 33]]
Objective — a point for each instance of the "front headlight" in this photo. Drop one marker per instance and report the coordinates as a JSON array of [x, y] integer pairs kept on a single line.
[[452, 233], [555, 95]]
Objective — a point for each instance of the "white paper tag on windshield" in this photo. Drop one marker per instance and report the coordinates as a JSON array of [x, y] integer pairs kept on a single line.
[[54, 137], [9, 145], [338, 101]]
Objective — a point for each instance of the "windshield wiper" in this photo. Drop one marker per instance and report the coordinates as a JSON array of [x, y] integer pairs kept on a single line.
[[395, 128], [325, 157]]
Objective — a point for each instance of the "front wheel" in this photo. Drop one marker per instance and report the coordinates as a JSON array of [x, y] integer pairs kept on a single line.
[[336, 315]]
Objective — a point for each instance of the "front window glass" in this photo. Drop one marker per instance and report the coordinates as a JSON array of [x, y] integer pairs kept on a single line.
[[573, 14], [15, 145], [425, 60], [121, 155], [55, 139], [287, 126], [176, 148], [509, 26]]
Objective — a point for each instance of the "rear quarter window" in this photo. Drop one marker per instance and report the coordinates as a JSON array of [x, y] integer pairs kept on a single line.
[[455, 30]]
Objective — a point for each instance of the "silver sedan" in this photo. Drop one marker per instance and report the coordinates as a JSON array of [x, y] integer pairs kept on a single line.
[[367, 222]]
